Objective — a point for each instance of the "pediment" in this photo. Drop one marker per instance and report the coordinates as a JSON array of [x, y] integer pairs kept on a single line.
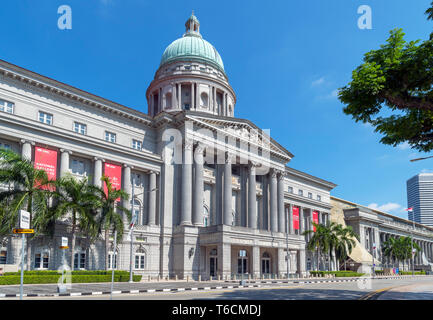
[[241, 129]]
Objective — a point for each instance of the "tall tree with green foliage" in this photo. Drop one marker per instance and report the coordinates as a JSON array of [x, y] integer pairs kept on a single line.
[[110, 215], [346, 242], [29, 190], [393, 91], [79, 201]]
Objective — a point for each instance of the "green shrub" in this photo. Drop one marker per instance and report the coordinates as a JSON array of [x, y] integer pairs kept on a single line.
[[121, 276], [343, 273]]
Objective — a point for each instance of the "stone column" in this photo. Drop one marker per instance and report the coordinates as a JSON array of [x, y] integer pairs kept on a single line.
[[252, 198], [197, 97], [64, 162], [197, 216], [192, 97], [256, 262], [26, 149], [97, 172], [179, 101], [319, 216], [274, 201], [127, 185], [186, 184], [290, 217], [301, 263], [159, 100], [151, 215], [224, 259], [227, 207], [173, 96], [301, 220], [281, 219]]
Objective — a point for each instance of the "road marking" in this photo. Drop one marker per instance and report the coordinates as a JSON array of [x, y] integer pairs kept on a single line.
[[371, 295]]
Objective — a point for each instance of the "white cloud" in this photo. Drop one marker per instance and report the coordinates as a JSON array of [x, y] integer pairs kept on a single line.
[[318, 82], [389, 207], [404, 146]]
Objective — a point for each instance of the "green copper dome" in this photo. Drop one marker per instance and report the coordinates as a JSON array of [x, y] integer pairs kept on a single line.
[[192, 47]]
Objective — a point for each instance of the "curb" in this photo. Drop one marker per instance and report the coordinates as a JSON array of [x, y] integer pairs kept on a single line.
[[73, 294]]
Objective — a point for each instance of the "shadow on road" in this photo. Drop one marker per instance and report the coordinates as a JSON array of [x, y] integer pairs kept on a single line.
[[289, 294]]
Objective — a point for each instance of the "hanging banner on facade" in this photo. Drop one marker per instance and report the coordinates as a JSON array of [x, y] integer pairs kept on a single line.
[[46, 159], [315, 219], [114, 174], [295, 211]]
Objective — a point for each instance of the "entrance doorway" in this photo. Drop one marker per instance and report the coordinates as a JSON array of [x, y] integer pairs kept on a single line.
[[213, 263], [266, 263]]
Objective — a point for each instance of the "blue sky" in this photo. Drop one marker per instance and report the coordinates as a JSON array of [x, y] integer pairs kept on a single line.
[[285, 60]]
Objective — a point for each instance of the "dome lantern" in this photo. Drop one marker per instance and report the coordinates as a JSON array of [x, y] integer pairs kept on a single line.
[[192, 26]]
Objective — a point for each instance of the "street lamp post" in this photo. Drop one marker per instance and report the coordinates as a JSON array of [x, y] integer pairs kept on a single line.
[[132, 230]]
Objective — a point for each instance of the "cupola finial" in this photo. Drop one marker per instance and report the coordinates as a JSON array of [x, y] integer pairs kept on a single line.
[[192, 26]]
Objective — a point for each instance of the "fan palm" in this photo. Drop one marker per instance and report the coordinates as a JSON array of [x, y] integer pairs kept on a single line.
[[110, 216], [318, 241], [30, 192], [79, 200]]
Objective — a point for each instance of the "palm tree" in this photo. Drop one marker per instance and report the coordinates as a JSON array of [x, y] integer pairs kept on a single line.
[[110, 216], [79, 200], [346, 242], [30, 192], [318, 241]]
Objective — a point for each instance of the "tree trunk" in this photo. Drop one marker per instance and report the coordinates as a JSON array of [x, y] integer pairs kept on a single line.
[[73, 241], [318, 259], [106, 247], [330, 259]]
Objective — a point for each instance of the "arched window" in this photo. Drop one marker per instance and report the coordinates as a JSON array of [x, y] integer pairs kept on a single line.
[[140, 259], [204, 100], [206, 220], [137, 212]]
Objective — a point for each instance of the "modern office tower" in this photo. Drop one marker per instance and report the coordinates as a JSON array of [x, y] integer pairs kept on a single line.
[[420, 198]]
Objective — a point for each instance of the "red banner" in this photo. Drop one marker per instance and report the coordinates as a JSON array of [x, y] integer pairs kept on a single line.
[[295, 215], [46, 159], [315, 219], [114, 174]]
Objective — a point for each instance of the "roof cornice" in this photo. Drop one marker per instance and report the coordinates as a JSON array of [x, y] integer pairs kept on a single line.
[[67, 91], [307, 176]]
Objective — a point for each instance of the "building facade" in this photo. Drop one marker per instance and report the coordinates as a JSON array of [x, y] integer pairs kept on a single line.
[[420, 198], [205, 184], [375, 227]]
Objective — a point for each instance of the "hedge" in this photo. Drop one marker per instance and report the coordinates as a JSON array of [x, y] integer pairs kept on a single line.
[[37, 279], [343, 273], [75, 272]]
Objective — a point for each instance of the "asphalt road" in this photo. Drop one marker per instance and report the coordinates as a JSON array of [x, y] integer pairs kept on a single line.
[[409, 288]]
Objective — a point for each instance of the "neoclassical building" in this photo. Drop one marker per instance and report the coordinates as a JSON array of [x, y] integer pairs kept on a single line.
[[213, 194]]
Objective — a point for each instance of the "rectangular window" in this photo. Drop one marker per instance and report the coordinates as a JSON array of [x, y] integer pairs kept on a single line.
[[80, 128], [300, 192], [77, 167], [110, 137], [41, 260], [310, 195], [5, 146], [6, 106], [3, 256], [45, 118], [136, 144], [291, 189], [80, 261], [112, 259], [319, 198]]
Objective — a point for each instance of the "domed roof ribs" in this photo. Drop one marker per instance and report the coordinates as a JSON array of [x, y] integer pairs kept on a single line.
[[192, 46]]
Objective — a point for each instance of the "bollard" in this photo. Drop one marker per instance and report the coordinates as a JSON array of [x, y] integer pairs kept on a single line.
[[199, 278], [175, 278], [234, 277], [187, 278], [148, 278]]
